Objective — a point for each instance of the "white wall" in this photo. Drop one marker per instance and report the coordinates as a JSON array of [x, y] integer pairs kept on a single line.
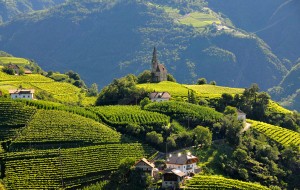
[[22, 96]]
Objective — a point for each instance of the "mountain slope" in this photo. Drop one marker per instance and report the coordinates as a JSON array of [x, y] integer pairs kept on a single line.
[[105, 40], [13, 8], [275, 21]]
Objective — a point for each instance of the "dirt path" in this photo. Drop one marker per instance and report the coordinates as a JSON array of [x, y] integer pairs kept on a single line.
[[246, 128]]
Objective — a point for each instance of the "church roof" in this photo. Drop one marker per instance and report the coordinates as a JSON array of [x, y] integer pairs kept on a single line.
[[161, 68]]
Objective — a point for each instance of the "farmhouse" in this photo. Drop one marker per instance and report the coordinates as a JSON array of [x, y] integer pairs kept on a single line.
[[22, 93], [186, 163], [158, 72], [172, 178], [241, 115], [145, 166], [159, 96]]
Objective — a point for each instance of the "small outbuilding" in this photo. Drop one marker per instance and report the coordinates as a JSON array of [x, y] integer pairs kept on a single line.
[[241, 116], [22, 93], [159, 96], [172, 178]]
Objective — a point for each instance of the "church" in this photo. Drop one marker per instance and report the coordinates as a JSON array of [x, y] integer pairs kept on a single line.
[[158, 72]]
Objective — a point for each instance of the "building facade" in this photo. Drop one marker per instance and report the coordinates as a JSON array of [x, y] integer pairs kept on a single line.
[[22, 93], [183, 162]]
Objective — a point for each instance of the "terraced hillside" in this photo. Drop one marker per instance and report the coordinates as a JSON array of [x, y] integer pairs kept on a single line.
[[212, 91], [281, 135], [13, 116], [53, 128], [58, 149], [13, 60], [60, 91], [219, 182], [66, 168], [123, 115], [181, 90], [183, 112]]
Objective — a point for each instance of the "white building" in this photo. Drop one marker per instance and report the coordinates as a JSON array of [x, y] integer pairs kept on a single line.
[[159, 96], [184, 162], [22, 93]]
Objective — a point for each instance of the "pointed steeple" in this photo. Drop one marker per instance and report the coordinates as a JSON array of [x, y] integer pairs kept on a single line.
[[154, 59]]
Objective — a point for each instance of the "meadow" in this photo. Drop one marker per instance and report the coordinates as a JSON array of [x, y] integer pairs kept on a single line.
[[13, 60]]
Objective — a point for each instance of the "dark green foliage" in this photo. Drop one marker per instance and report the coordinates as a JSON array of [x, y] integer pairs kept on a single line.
[[154, 138], [121, 91], [203, 136], [202, 81], [187, 113], [144, 77], [93, 90], [145, 102], [170, 78], [7, 70], [192, 97]]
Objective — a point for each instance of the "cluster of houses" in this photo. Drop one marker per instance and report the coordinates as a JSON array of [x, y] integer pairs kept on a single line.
[[178, 168]]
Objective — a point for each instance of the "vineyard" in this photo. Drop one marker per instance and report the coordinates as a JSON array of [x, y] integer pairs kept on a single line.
[[274, 107], [67, 168], [183, 111], [58, 127], [124, 115], [40, 104], [281, 135], [219, 182], [61, 91], [212, 91], [13, 116]]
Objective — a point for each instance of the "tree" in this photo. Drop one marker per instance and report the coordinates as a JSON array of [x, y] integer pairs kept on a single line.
[[121, 91], [9, 71], [21, 71], [229, 110], [170, 78], [203, 136], [202, 81], [145, 102], [154, 138], [192, 97], [93, 91], [144, 77], [213, 82]]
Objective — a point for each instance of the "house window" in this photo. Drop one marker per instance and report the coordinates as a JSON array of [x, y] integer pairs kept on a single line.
[[28, 96], [23, 96]]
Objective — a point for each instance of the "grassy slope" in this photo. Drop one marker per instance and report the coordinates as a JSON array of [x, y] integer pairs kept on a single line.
[[198, 20], [61, 91], [180, 90], [13, 60]]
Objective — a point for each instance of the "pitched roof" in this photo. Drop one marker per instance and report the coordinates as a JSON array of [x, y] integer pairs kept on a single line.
[[146, 162], [161, 68], [21, 91], [174, 171], [181, 159], [163, 95], [240, 112]]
